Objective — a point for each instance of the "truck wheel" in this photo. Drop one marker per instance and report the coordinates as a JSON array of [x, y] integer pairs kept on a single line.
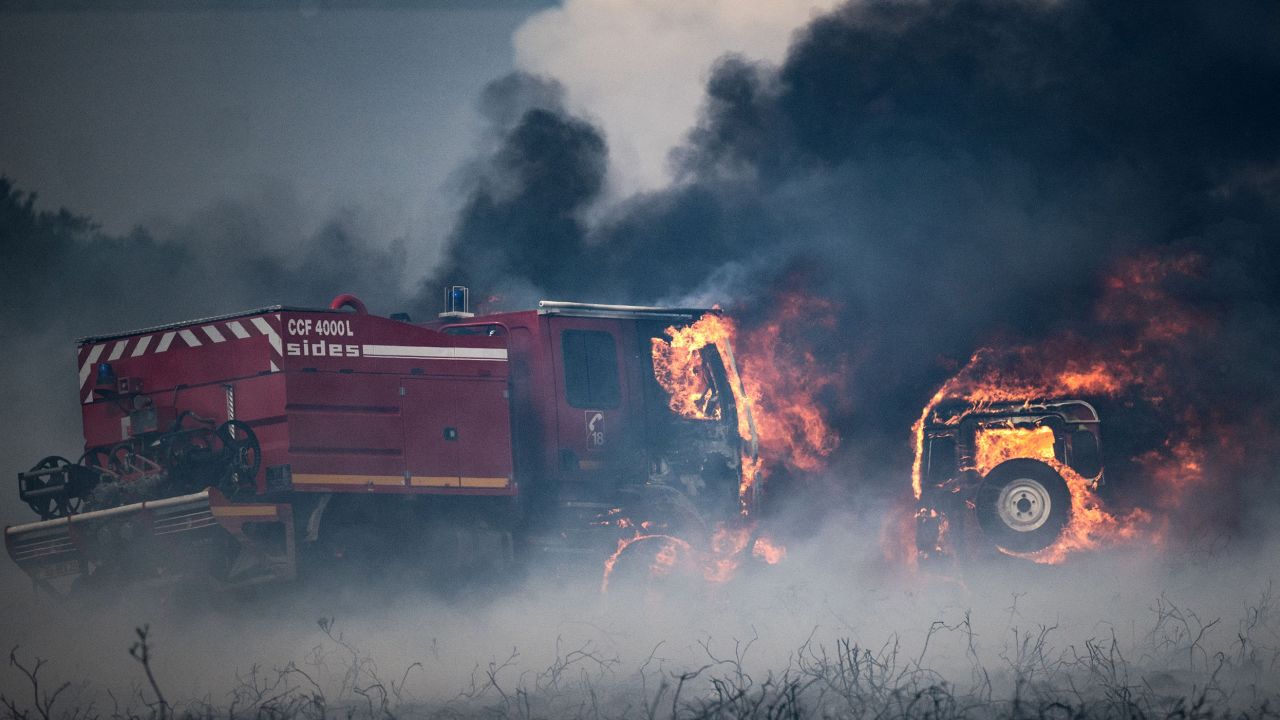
[[649, 565], [1023, 504], [47, 506]]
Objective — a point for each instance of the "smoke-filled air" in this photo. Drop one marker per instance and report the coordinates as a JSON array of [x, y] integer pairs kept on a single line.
[[888, 360]]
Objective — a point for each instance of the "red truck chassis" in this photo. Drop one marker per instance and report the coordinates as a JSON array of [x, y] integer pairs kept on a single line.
[[240, 448]]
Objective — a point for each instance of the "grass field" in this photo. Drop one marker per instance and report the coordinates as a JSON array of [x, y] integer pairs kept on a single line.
[[1196, 637]]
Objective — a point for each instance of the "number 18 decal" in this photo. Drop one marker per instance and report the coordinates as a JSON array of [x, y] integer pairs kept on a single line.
[[595, 429]]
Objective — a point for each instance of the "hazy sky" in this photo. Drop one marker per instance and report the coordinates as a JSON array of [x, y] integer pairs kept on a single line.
[[138, 117]]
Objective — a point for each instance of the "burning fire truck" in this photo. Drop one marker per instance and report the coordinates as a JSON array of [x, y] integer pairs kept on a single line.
[[251, 447], [1006, 477]]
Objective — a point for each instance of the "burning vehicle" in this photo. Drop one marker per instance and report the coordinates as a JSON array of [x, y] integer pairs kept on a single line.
[[1004, 477], [258, 446], [1009, 457]]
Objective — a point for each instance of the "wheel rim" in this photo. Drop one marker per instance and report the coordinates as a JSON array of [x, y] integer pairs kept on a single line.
[[1024, 505]]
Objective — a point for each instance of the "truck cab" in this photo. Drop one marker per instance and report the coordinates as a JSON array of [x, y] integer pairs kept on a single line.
[[594, 435]]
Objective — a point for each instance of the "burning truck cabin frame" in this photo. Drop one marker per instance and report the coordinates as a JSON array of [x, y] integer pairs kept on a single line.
[[998, 478], [246, 448]]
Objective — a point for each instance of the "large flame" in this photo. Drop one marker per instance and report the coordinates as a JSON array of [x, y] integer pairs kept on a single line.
[[998, 444], [775, 383], [1138, 327], [784, 380], [679, 368]]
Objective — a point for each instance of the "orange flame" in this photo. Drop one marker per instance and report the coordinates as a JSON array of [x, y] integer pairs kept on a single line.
[[775, 384], [1091, 525], [679, 368], [997, 444], [681, 371], [767, 550], [727, 545], [1138, 326], [784, 381], [717, 563], [662, 564]]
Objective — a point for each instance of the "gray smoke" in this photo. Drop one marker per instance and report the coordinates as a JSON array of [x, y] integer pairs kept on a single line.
[[951, 175], [63, 278]]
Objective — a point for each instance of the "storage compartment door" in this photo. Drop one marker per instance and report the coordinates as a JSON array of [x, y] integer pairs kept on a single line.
[[457, 432]]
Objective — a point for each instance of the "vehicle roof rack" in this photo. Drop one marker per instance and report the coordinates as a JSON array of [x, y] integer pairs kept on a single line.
[[577, 309], [1073, 409]]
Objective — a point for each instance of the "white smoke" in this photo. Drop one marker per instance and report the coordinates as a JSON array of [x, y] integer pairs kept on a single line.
[[639, 68]]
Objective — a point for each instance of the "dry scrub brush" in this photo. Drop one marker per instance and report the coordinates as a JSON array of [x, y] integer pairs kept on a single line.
[[1180, 667]]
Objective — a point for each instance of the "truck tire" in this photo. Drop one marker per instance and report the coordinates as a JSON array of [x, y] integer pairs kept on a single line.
[[650, 566], [49, 506], [1022, 505]]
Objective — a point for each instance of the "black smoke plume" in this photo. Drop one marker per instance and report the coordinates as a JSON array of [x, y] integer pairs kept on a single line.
[[952, 175], [522, 225]]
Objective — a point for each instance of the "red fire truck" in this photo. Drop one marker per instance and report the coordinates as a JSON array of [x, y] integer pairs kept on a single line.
[[250, 447]]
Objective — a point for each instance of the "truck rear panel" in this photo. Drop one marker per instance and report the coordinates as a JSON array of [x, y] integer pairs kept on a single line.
[[343, 401]]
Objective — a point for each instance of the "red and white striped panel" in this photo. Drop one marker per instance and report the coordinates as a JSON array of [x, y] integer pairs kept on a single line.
[[192, 337]]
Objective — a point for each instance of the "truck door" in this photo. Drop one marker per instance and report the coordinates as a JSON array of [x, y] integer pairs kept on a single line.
[[595, 429]]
